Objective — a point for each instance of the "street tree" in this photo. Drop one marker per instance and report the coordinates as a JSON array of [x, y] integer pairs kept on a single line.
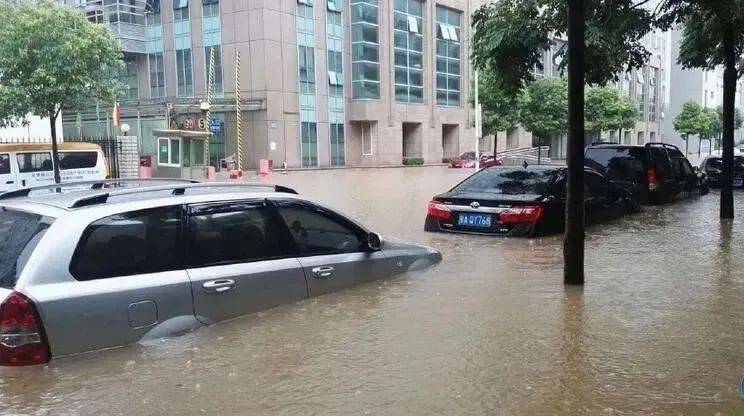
[[738, 122], [500, 111], [689, 121], [711, 127], [607, 110], [605, 37], [713, 36], [53, 58], [543, 107]]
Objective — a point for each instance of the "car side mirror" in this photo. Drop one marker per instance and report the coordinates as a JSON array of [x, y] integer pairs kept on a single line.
[[374, 242]]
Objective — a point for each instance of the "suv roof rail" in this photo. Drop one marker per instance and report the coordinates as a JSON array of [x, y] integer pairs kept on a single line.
[[96, 184], [601, 143], [664, 145], [176, 189]]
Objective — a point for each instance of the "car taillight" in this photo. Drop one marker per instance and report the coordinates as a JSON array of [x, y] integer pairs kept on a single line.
[[439, 210], [527, 213], [651, 176], [22, 341]]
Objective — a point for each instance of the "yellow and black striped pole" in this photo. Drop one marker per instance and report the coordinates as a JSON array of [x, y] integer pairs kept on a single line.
[[210, 86], [237, 111]]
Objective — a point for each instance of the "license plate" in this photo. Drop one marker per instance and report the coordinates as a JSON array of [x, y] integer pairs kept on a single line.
[[475, 220], [738, 182]]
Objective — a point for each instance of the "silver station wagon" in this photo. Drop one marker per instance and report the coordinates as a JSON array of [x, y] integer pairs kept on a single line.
[[95, 265]]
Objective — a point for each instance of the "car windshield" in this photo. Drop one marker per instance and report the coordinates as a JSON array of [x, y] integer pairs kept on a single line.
[[21, 233], [509, 181], [617, 163], [467, 156]]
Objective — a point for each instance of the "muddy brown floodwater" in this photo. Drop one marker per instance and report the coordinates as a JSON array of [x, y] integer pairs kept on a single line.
[[492, 330]]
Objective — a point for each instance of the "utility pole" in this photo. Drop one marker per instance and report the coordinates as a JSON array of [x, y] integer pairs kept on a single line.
[[573, 243], [477, 125]]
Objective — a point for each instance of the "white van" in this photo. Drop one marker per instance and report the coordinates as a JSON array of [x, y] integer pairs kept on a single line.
[[28, 165]]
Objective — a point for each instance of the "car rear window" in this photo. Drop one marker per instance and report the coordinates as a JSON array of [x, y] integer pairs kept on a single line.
[[660, 163], [618, 163], [21, 232], [509, 181], [78, 160]]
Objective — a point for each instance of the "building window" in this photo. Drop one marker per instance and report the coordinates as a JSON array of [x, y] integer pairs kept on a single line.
[[157, 75], [217, 87], [305, 17], [448, 57], [409, 47], [653, 99], [210, 8], [336, 74], [335, 22], [641, 93], [307, 70], [180, 10], [169, 152], [366, 138], [309, 143], [365, 50], [183, 71], [335, 5], [556, 51], [338, 145], [128, 76]]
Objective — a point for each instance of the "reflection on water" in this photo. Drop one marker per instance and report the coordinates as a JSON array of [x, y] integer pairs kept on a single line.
[[491, 330]]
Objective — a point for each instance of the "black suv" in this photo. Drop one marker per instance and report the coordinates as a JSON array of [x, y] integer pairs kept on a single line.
[[654, 173]]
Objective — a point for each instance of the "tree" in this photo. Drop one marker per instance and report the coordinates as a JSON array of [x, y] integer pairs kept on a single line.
[[689, 121], [711, 127], [606, 109], [52, 57], [543, 107], [500, 111], [738, 122], [713, 36]]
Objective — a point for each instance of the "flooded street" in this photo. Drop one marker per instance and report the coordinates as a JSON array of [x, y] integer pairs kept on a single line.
[[491, 330]]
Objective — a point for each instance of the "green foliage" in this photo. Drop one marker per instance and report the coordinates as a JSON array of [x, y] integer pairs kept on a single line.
[[543, 107], [711, 124], [447, 160], [738, 118], [606, 109], [52, 57], [500, 110], [512, 35], [413, 161], [690, 120]]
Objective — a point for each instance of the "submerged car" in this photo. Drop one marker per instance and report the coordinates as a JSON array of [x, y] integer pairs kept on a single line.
[[116, 262], [713, 168], [522, 201], [467, 160], [655, 173]]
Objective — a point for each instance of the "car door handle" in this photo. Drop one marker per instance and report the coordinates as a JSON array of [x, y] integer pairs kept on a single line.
[[323, 272], [219, 286]]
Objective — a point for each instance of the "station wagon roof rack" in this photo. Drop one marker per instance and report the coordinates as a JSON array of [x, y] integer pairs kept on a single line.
[[95, 184], [176, 189]]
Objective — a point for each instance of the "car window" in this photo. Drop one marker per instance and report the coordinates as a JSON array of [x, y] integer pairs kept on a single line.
[[132, 243], [596, 187], [509, 181], [20, 232], [4, 164], [233, 233], [317, 231], [34, 162], [681, 167], [660, 163], [78, 160], [617, 163]]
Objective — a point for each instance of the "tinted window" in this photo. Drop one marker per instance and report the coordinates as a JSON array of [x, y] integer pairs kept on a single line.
[[618, 163], [317, 231], [508, 181], [132, 243], [235, 233], [596, 187], [681, 167], [717, 163], [34, 162], [660, 163], [20, 233], [4, 164], [78, 160]]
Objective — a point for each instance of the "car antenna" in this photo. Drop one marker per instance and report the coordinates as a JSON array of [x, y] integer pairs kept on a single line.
[[525, 164]]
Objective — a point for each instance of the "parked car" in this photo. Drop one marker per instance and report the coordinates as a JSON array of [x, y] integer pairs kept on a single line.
[[467, 160], [116, 264], [654, 173], [30, 165], [713, 168], [521, 201], [490, 160]]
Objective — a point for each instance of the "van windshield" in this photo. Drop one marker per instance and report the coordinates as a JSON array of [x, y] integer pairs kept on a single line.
[[21, 233], [617, 163]]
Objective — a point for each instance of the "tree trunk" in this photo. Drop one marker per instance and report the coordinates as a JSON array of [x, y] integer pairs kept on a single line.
[[539, 148], [687, 144], [573, 240], [700, 145], [729, 105], [55, 148]]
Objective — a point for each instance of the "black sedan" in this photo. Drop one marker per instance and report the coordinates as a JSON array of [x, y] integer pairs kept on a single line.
[[713, 168], [522, 201]]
